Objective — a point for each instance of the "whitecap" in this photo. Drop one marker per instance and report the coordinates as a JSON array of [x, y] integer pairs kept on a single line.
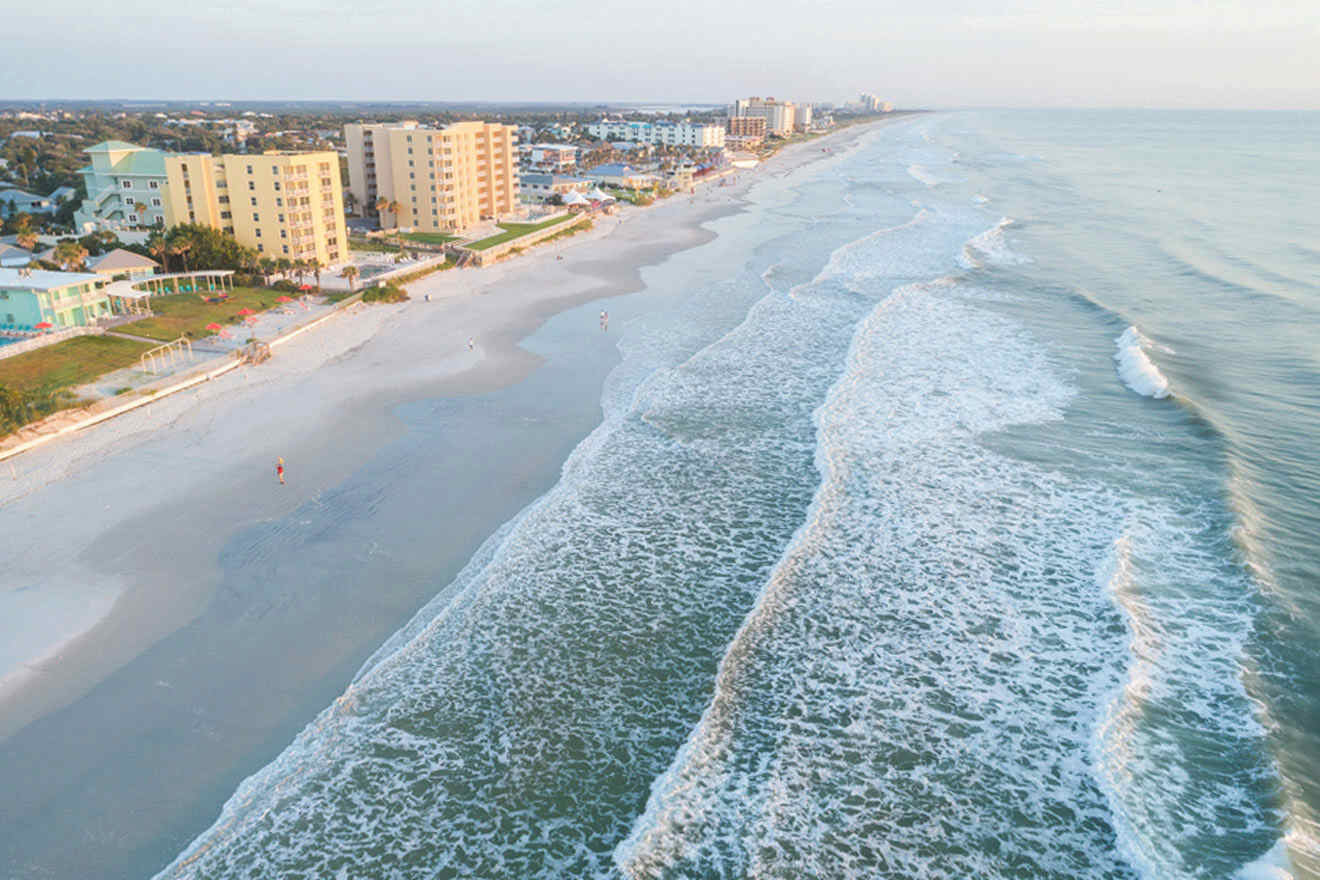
[[1135, 367]]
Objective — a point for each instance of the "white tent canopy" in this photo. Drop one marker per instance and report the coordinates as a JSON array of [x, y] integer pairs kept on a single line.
[[599, 195], [575, 198]]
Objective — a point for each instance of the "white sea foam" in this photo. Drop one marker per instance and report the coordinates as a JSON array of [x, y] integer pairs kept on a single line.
[[925, 175], [1135, 367], [1273, 865], [991, 248], [980, 199]]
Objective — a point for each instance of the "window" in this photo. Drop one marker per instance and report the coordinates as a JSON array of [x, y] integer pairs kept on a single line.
[[286, 248], [249, 169], [155, 203], [284, 233], [256, 218], [281, 218], [258, 233], [132, 218], [277, 186], [153, 184], [279, 202], [225, 215], [252, 185], [261, 248], [254, 201], [128, 184]]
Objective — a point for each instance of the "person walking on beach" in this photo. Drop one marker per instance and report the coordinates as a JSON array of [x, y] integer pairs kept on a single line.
[[472, 342], [279, 469]]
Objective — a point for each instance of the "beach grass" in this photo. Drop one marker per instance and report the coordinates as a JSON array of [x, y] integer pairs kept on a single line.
[[187, 314], [69, 363], [512, 231]]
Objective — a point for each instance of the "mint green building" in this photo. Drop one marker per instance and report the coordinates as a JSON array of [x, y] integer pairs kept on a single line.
[[121, 178], [61, 299]]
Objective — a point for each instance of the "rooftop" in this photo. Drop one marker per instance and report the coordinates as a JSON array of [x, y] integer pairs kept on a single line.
[[41, 279]]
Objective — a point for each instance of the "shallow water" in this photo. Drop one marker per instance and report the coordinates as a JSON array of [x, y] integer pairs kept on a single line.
[[958, 521]]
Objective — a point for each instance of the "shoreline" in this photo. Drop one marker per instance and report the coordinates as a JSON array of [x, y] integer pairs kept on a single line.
[[181, 502]]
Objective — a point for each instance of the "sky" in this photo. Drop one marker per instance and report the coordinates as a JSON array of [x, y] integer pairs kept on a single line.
[[917, 53]]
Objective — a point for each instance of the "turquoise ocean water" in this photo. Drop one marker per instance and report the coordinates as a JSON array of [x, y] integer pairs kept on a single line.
[[956, 516]]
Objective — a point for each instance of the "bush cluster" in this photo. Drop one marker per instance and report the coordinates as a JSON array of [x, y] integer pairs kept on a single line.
[[386, 293]]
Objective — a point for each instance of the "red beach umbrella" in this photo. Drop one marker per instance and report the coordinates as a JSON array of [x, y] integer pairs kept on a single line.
[[246, 311], [214, 326], [283, 299], [305, 287], [44, 325]]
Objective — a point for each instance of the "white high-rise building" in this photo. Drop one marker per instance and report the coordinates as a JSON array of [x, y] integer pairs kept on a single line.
[[780, 116]]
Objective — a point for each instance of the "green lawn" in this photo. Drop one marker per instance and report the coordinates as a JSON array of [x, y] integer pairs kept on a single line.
[[372, 244], [429, 237], [512, 231], [69, 363], [187, 314]]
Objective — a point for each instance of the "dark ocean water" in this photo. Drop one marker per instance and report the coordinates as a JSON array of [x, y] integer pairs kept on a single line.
[[956, 516]]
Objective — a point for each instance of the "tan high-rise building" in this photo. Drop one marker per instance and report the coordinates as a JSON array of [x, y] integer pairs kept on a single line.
[[779, 116], [283, 204], [443, 179]]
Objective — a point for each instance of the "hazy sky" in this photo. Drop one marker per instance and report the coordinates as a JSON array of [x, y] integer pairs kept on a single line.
[[1158, 53]]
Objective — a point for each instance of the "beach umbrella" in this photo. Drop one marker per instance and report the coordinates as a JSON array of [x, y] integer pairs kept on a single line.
[[283, 299], [44, 325], [214, 326], [305, 287], [246, 311]]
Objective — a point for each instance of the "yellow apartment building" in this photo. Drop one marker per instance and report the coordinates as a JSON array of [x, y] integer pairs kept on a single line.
[[444, 179], [284, 204]]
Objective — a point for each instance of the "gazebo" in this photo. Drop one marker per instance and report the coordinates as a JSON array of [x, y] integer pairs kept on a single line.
[[599, 195]]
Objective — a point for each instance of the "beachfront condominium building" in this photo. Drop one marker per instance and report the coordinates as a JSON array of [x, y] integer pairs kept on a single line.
[[780, 116], [442, 179], [125, 187], [744, 132], [802, 117], [667, 134], [32, 299], [283, 204]]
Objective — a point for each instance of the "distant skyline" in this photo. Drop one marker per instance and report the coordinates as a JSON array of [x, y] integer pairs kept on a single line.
[[1162, 53]]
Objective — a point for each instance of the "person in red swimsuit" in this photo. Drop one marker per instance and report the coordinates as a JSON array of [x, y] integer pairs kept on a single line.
[[279, 469]]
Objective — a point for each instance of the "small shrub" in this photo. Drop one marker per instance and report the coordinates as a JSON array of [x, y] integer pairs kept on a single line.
[[386, 293]]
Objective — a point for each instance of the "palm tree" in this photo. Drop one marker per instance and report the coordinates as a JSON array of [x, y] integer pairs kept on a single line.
[[382, 205], [350, 201], [284, 264], [299, 270], [141, 209], [180, 241], [70, 255], [267, 268], [159, 248], [26, 240], [394, 208], [314, 265], [350, 273]]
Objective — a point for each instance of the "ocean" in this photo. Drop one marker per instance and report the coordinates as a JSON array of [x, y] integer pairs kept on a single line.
[[954, 513]]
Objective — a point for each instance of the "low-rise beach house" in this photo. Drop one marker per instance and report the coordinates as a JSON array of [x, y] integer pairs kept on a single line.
[[30, 298]]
